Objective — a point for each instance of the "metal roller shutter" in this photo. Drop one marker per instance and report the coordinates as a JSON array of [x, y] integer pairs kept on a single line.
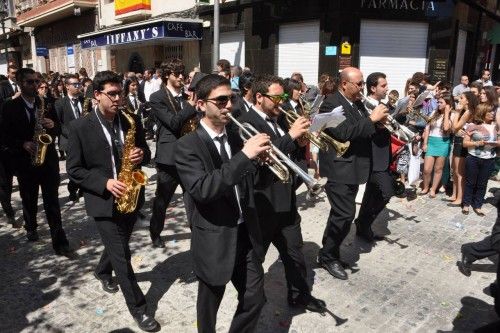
[[232, 47], [298, 50], [395, 48]]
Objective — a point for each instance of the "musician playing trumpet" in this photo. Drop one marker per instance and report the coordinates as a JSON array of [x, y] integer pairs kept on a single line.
[[347, 172], [217, 171], [379, 189], [276, 200]]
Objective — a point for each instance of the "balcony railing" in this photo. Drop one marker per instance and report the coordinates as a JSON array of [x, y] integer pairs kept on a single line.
[[23, 6]]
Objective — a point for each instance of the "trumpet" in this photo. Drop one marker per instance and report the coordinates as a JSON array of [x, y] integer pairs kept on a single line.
[[322, 140], [401, 131], [279, 161]]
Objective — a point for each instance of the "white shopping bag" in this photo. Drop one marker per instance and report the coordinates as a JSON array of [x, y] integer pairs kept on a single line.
[[414, 167]]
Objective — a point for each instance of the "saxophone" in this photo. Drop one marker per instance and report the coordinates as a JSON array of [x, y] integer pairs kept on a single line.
[[40, 137], [85, 107], [133, 178]]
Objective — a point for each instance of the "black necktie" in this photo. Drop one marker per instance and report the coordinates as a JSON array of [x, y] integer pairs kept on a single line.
[[15, 87], [179, 100], [223, 153], [135, 102], [31, 111], [275, 126], [116, 144], [75, 104]]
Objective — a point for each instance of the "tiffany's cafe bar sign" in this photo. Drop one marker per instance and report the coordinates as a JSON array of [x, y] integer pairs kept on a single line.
[[162, 29]]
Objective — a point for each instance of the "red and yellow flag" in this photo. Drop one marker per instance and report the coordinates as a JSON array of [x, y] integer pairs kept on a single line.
[[127, 6]]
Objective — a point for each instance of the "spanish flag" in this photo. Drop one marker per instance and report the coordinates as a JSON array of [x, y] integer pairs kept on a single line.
[[127, 6]]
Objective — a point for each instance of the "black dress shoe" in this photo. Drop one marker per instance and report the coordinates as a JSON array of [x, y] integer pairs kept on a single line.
[[308, 302], [32, 236], [108, 286], [73, 196], [366, 233], [335, 268], [158, 243], [464, 266], [146, 323], [66, 251]]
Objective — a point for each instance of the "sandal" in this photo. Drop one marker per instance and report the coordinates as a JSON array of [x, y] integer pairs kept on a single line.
[[465, 210], [478, 212]]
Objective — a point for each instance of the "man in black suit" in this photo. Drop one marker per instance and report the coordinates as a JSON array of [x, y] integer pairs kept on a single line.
[[96, 146], [69, 108], [8, 90], [245, 99], [171, 111], [345, 173], [217, 172], [20, 119], [276, 200], [379, 188]]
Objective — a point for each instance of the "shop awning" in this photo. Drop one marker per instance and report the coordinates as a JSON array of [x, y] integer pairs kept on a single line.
[[494, 34], [162, 28]]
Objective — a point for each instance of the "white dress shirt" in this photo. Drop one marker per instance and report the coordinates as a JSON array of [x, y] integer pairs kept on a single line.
[[270, 123], [227, 147], [108, 138]]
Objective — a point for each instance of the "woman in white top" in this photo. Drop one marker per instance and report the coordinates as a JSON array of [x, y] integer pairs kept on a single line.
[[437, 143], [481, 140]]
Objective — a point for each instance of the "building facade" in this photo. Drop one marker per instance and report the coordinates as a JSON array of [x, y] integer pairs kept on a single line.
[[399, 37], [137, 34]]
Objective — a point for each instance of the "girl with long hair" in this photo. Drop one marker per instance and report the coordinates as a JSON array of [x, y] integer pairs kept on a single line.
[[437, 143]]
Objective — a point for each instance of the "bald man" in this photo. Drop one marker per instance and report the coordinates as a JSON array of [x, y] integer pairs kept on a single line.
[[346, 173]]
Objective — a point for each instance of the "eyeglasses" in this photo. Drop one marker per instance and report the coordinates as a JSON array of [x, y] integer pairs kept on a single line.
[[112, 94], [360, 84], [32, 81], [276, 99], [177, 74], [43, 87], [222, 100], [75, 84]]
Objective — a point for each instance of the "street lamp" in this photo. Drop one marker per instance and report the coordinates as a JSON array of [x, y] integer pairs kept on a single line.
[[3, 15]]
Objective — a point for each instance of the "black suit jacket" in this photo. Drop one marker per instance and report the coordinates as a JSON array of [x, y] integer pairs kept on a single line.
[[275, 196], [169, 118], [211, 203], [89, 162], [354, 166], [64, 111], [16, 128], [6, 91], [239, 108]]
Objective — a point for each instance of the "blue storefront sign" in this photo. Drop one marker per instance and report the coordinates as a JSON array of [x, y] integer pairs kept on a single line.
[[165, 29], [42, 52]]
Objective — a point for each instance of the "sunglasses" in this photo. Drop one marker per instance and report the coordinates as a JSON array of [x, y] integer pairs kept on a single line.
[[276, 99], [177, 74], [75, 84], [222, 100], [112, 94], [359, 84], [32, 81]]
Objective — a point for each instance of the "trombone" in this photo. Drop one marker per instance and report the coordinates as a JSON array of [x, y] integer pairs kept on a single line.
[[322, 140], [279, 161]]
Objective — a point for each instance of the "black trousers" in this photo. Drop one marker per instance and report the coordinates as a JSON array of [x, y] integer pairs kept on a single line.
[[248, 279], [284, 232], [378, 193], [115, 234], [6, 179], [167, 182], [342, 198], [47, 178], [72, 187], [480, 250]]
